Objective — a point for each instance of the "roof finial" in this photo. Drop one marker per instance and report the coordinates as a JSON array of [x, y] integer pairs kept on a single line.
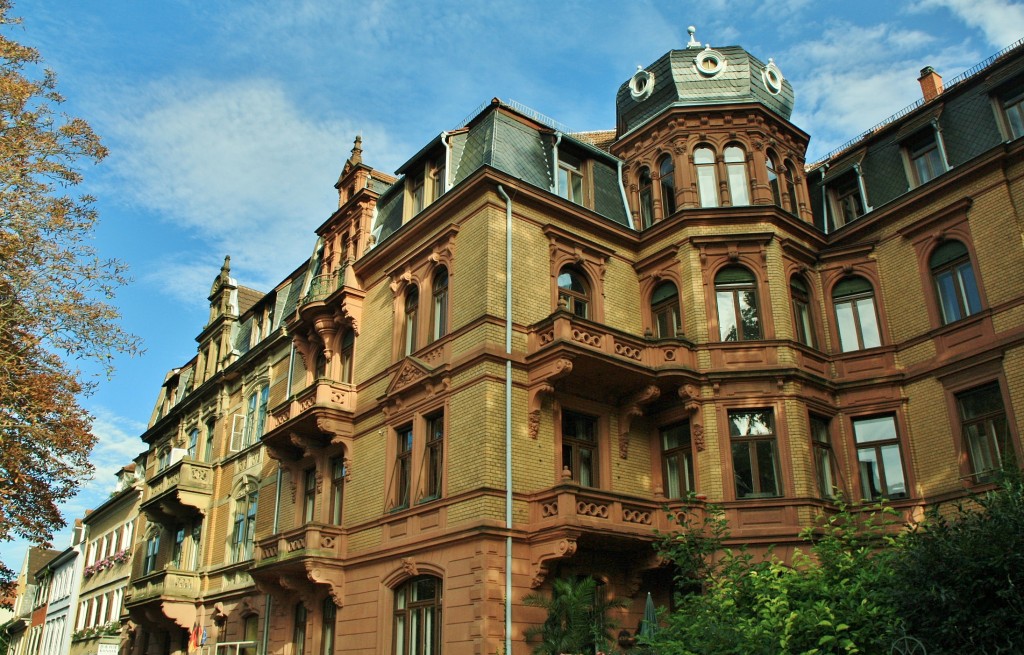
[[693, 43], [357, 151], [226, 268]]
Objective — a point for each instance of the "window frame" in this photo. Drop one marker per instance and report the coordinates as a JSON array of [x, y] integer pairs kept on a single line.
[[922, 155], [339, 472], [876, 446], [737, 174], [410, 320], [572, 168], [954, 268], [1006, 452], [577, 302], [706, 177], [407, 607], [685, 481], [803, 311], [308, 495], [404, 440], [1010, 104], [854, 299], [727, 295], [823, 458], [845, 198], [439, 303], [246, 502], [750, 442], [665, 308], [433, 455], [645, 197], [667, 185], [571, 448], [300, 621]]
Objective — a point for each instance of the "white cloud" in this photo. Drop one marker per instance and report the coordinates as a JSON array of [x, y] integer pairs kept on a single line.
[[239, 167], [1001, 22]]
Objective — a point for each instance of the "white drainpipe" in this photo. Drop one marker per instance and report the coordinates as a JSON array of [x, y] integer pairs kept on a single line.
[[508, 416]]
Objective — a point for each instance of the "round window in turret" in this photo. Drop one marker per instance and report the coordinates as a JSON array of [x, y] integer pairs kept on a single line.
[[709, 62], [641, 85], [772, 77]]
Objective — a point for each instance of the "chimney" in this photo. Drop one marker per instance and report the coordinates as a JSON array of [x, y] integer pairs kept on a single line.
[[931, 83]]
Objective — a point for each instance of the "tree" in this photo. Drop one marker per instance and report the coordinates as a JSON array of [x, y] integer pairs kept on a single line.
[[577, 618], [831, 600], [55, 297], [959, 580]]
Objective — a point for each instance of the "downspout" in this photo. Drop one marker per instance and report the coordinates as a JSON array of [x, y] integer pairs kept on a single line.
[[863, 190], [447, 161], [824, 200], [554, 164], [941, 143], [508, 414], [622, 190]]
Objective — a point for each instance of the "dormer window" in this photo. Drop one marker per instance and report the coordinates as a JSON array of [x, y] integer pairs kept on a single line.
[[1012, 103], [846, 197], [438, 178], [924, 158], [570, 178], [416, 194]]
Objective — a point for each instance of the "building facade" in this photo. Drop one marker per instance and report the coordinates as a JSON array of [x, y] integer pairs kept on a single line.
[[498, 367], [18, 633]]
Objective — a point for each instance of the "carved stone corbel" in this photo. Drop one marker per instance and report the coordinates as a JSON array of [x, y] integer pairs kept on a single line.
[[631, 410], [542, 555]]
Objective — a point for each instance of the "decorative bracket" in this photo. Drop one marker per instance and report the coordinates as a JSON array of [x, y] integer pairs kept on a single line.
[[633, 408]]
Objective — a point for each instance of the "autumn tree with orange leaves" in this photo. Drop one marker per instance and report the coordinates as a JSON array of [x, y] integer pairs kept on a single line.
[[55, 298]]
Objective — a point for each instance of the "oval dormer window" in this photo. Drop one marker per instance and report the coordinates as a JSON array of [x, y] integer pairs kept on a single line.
[[641, 85], [772, 78], [709, 62]]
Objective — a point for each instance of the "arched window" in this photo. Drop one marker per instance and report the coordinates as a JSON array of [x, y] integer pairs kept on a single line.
[[854, 301], [800, 296], [417, 619], [707, 180], [957, 289], [439, 306], [246, 499], [574, 290], [250, 429], [646, 198], [736, 294], [412, 304], [665, 310], [666, 172], [773, 177], [152, 550], [736, 169], [348, 342], [794, 203]]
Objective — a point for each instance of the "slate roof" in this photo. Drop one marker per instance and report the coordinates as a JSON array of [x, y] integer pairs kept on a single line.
[[499, 139], [678, 83]]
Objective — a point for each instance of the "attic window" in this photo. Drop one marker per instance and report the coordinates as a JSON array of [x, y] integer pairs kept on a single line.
[[772, 77], [641, 85], [709, 62]]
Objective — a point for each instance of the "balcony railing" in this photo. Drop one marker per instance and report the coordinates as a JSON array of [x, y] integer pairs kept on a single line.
[[580, 506], [310, 540], [566, 328], [322, 286], [166, 584]]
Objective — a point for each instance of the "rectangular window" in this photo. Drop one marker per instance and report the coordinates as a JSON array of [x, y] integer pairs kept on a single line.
[[337, 488], [438, 178], [250, 631], [309, 495], [245, 525], [208, 447], [1012, 102], [434, 456], [579, 447], [299, 634], [924, 157], [824, 458], [985, 431], [193, 443], [570, 178], [195, 559], [152, 549], [677, 460], [754, 453], [416, 193], [403, 467], [879, 459], [179, 546], [847, 204]]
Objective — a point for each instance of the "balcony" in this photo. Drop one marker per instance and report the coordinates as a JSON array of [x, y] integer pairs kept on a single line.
[[315, 417], [165, 596], [178, 492], [301, 562], [322, 286], [623, 363], [607, 516]]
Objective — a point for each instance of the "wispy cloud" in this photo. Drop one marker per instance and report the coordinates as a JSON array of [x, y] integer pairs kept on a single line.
[[1001, 22], [236, 165]]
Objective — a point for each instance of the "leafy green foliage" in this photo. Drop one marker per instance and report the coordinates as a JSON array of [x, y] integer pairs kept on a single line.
[[829, 601], [577, 617], [959, 584]]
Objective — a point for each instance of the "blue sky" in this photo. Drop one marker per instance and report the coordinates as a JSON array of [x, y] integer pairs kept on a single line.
[[228, 122]]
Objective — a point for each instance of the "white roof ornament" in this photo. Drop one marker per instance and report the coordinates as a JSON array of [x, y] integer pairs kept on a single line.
[[693, 43]]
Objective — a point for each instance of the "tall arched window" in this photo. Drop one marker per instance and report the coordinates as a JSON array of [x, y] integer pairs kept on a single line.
[[800, 296], [574, 290], [244, 533], [771, 165], [417, 619], [957, 289], [665, 310], [736, 169], [646, 198], [707, 180], [736, 294], [439, 306], [348, 343], [854, 301], [666, 172], [255, 419], [791, 177], [409, 327]]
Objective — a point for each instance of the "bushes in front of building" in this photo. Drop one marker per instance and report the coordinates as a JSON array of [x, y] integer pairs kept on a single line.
[[955, 583]]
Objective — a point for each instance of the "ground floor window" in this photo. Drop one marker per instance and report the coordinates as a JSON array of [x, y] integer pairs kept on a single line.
[[418, 617]]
